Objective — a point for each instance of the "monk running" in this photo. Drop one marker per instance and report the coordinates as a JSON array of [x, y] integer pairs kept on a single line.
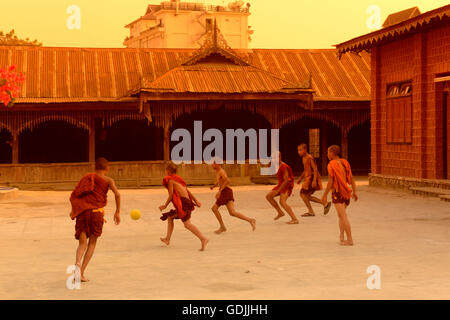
[[183, 201], [311, 181], [284, 190], [88, 200], [225, 197], [340, 176]]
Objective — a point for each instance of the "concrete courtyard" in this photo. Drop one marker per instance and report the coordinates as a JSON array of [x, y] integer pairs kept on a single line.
[[407, 236]]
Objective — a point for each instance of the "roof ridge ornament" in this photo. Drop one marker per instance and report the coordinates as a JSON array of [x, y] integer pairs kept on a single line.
[[215, 43]]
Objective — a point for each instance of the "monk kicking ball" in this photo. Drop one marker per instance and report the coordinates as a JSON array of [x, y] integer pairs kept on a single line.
[[225, 198], [340, 177], [88, 200], [183, 201], [284, 190]]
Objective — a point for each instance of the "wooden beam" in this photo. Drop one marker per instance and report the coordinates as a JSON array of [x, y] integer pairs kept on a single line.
[[299, 97], [344, 143], [15, 147], [166, 143]]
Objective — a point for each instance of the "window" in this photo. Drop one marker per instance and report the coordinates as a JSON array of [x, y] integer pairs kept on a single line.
[[314, 142], [399, 113]]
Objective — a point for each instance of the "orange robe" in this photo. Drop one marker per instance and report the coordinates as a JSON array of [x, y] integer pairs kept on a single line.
[[341, 181], [177, 201], [89, 194], [280, 175], [310, 176]]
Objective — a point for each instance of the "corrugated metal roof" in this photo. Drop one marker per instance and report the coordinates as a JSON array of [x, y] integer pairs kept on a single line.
[[391, 32], [221, 78], [62, 74]]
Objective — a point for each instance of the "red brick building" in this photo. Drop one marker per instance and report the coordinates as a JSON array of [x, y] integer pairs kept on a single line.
[[410, 106]]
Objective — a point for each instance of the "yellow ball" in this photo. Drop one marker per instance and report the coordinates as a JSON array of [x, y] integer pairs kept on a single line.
[[135, 214]]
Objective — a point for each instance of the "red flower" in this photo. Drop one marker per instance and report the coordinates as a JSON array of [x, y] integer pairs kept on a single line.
[[10, 83]]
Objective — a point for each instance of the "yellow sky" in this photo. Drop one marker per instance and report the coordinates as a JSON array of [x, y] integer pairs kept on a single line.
[[277, 23]]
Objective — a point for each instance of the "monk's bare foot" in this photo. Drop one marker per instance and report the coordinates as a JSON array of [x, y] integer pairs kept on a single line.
[[280, 215], [220, 230], [204, 243], [346, 243], [293, 222], [253, 223], [167, 242], [84, 279]]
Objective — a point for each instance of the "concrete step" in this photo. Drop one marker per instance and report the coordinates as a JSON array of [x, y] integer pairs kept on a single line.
[[8, 193], [444, 197], [430, 192]]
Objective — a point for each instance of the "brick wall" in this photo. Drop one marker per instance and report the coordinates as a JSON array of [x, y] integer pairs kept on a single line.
[[418, 58]]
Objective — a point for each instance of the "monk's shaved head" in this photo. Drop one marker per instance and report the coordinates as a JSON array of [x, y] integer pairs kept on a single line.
[[171, 168], [336, 150], [101, 164]]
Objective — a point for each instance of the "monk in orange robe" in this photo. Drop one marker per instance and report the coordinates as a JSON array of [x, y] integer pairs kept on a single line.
[[340, 177], [88, 200], [284, 190], [312, 181], [224, 197], [183, 201]]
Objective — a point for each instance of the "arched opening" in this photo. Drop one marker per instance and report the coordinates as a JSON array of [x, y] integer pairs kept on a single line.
[[359, 148], [129, 140], [5, 146], [317, 134], [222, 119], [53, 141]]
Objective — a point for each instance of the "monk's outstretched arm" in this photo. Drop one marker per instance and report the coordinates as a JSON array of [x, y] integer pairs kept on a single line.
[[114, 189], [196, 202], [169, 198]]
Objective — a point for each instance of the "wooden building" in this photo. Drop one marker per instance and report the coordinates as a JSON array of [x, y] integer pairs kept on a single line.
[[410, 113], [81, 103]]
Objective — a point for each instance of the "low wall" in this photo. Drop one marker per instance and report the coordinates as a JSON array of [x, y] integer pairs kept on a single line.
[[141, 174], [405, 183]]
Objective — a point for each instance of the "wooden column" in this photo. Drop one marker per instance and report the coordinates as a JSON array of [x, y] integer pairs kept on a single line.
[[15, 147], [166, 143], [324, 148], [344, 143], [92, 140]]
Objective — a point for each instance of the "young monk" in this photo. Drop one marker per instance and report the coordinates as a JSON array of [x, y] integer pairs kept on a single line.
[[88, 200], [284, 190], [225, 197], [340, 176], [311, 181], [183, 201]]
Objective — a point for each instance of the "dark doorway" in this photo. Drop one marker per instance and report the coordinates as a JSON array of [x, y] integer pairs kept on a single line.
[[53, 142], [129, 140], [222, 119], [5, 146], [359, 148], [307, 131]]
